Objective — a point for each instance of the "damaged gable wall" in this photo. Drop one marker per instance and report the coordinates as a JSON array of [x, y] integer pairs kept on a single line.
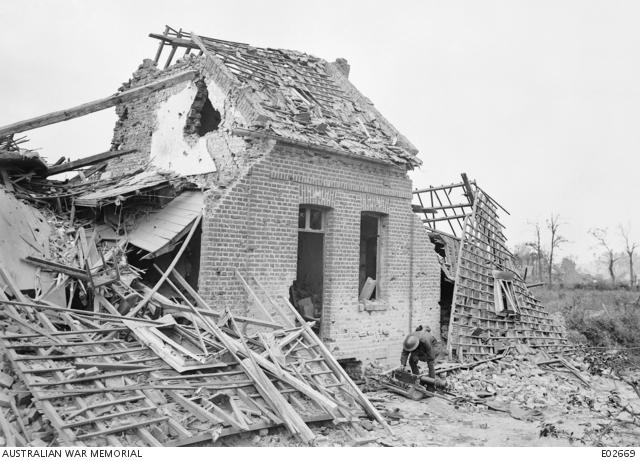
[[164, 126]]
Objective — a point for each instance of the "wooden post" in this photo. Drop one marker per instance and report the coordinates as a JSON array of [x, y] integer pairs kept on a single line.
[[95, 106]]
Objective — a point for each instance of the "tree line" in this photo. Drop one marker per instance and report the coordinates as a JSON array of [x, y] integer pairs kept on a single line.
[[538, 258]]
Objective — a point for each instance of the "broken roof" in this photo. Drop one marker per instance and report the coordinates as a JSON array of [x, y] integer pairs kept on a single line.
[[492, 305], [162, 230], [135, 185], [302, 98]]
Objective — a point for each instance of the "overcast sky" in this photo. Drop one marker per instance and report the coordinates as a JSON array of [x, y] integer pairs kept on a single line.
[[539, 101]]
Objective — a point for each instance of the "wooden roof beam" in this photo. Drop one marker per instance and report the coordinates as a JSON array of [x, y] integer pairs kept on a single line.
[[87, 161], [467, 188], [431, 189], [95, 106], [446, 218]]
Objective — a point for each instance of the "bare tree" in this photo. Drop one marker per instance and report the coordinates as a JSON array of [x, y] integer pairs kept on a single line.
[[536, 246], [601, 236], [553, 224], [629, 248]]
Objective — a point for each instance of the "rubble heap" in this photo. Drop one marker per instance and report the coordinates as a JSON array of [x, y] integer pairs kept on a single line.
[[101, 351], [559, 392]]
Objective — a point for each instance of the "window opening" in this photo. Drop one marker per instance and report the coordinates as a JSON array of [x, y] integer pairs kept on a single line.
[[310, 219], [505, 300], [369, 286]]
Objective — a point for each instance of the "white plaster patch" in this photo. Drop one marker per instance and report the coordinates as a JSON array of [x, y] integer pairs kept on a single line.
[[169, 149]]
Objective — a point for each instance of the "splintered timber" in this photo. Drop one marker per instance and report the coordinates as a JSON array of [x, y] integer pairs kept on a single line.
[[70, 453]]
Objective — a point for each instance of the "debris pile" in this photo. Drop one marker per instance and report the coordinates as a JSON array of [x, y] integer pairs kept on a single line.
[[558, 392], [105, 341]]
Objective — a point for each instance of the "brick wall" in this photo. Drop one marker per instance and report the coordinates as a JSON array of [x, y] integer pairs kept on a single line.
[[137, 119], [254, 228]]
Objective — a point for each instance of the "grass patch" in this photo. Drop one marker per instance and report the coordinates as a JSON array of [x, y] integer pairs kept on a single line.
[[609, 318]]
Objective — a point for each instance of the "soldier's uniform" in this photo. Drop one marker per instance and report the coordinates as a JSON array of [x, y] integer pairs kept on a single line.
[[426, 351]]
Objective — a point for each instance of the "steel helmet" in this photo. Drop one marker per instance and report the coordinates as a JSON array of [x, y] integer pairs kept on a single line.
[[410, 343]]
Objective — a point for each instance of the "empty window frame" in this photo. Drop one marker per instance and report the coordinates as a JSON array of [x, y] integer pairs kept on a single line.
[[370, 256], [310, 219], [504, 296]]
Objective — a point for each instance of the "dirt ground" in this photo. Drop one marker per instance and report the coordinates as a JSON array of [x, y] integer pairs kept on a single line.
[[436, 422]]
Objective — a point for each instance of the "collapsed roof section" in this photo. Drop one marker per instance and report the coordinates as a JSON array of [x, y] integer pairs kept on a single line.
[[296, 97], [101, 357], [492, 307], [105, 378]]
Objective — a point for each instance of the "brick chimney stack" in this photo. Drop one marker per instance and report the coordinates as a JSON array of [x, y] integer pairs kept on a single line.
[[343, 65]]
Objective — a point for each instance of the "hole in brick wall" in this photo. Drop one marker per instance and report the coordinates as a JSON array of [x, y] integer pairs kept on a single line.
[[203, 118], [209, 119]]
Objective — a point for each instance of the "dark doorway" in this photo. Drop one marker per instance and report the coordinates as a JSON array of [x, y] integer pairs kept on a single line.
[[446, 299], [307, 289]]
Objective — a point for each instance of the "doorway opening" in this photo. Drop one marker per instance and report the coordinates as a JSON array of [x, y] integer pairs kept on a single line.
[[446, 299], [306, 291]]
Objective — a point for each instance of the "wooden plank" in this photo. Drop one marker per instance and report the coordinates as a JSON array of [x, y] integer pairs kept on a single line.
[[12, 285], [109, 416], [74, 356], [254, 296], [199, 412], [290, 417], [467, 188], [87, 161], [252, 404], [433, 189], [107, 403], [288, 322], [254, 427], [447, 218], [57, 267], [123, 428], [94, 106]]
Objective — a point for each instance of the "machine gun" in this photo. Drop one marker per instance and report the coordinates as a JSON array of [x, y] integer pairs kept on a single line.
[[413, 386]]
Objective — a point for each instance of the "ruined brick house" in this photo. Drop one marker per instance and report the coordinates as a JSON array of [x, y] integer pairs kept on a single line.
[[306, 187], [260, 177]]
